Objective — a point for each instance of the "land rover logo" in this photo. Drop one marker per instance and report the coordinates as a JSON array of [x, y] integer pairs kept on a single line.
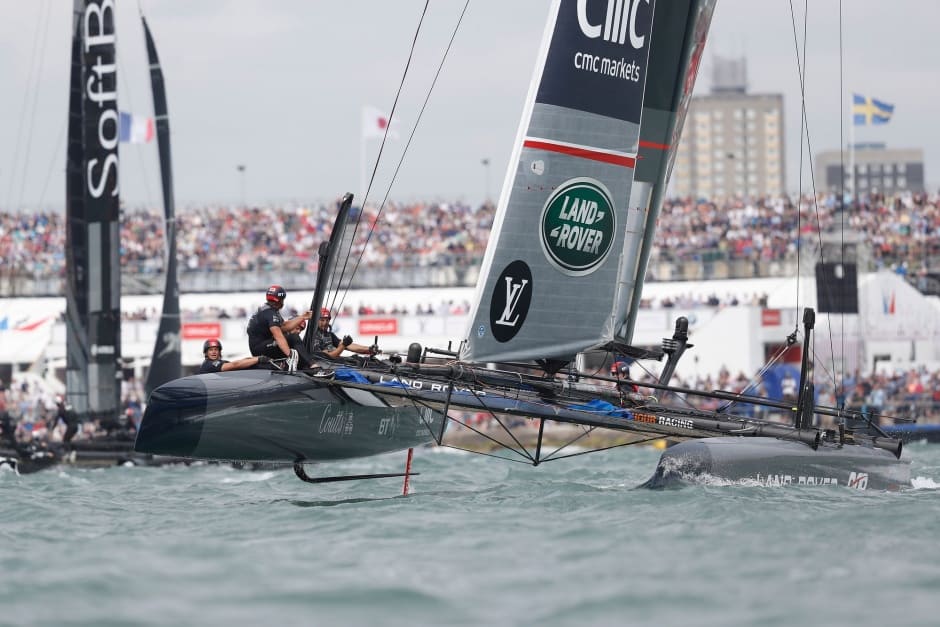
[[510, 301], [578, 226]]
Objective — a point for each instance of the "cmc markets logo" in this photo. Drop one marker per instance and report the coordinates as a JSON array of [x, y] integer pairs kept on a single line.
[[620, 21], [509, 304], [578, 226]]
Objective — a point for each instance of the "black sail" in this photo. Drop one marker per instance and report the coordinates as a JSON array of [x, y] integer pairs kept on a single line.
[[330, 275], [93, 285], [165, 364]]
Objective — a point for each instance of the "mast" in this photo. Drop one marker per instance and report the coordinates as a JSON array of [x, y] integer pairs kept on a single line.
[[165, 365], [679, 32], [76, 242], [93, 285]]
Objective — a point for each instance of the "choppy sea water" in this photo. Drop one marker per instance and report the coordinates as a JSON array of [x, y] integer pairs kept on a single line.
[[477, 542]]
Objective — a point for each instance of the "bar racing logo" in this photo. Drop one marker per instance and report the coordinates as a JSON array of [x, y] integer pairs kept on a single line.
[[578, 226], [668, 421]]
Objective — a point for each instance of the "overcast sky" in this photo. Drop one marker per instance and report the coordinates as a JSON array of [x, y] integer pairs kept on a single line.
[[279, 87]]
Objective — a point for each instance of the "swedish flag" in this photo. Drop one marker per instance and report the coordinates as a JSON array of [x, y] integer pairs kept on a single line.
[[870, 111]]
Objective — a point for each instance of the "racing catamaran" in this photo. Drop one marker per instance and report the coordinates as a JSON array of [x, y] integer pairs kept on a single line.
[[571, 241]]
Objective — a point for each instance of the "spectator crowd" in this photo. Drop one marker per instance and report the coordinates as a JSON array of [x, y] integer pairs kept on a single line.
[[903, 231]]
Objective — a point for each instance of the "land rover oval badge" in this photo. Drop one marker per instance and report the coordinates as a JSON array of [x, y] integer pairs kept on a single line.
[[509, 303], [578, 226]]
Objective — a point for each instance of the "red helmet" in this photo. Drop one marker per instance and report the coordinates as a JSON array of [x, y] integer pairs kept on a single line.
[[325, 314], [619, 368], [213, 343], [275, 294]]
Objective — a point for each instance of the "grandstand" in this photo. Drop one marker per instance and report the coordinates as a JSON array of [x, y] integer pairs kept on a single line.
[[229, 249], [740, 272]]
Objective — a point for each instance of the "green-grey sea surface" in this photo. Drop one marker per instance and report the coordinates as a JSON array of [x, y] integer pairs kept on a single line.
[[479, 541]]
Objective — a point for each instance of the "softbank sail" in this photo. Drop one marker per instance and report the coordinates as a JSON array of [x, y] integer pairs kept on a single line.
[[93, 281]]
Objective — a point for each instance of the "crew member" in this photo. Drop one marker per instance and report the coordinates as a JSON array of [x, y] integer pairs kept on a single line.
[[269, 334], [212, 351], [621, 370], [69, 418], [330, 345]]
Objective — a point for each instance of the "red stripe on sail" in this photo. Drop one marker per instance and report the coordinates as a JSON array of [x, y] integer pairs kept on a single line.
[[654, 145], [584, 153]]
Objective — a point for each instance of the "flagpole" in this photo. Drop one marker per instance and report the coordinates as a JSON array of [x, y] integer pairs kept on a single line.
[[852, 153]]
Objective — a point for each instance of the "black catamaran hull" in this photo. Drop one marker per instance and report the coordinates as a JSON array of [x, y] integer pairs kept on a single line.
[[262, 415], [775, 462]]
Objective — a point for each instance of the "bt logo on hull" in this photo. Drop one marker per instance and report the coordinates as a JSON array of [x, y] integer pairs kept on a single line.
[[619, 22]]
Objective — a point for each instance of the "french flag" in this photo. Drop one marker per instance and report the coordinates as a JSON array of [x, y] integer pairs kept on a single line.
[[135, 129]]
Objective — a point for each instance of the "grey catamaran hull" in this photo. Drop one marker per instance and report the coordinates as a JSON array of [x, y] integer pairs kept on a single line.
[[772, 461], [262, 415]]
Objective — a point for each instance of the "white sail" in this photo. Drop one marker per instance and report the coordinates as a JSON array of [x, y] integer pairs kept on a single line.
[[547, 285]]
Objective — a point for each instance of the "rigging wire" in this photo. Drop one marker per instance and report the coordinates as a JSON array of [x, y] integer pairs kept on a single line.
[[401, 160], [841, 205], [56, 155], [804, 132], [30, 93], [378, 160]]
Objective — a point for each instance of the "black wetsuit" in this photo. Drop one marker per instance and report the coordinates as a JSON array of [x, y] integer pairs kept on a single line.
[[261, 340], [325, 341], [210, 365]]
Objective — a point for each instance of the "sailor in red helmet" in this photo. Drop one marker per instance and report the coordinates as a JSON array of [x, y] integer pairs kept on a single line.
[[212, 351], [269, 334], [621, 370], [330, 345]]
